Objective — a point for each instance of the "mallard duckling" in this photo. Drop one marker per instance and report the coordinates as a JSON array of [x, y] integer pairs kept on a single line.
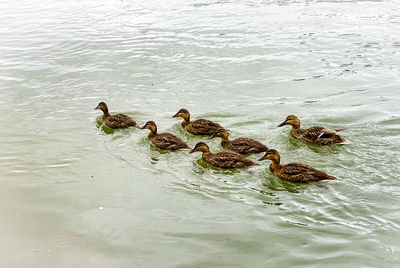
[[198, 127], [115, 121], [239, 145], [164, 140], [315, 135], [223, 159], [294, 172]]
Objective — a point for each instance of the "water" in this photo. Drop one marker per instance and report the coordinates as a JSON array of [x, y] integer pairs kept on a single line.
[[73, 196]]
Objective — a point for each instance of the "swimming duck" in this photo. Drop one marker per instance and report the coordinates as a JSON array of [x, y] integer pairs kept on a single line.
[[294, 172], [239, 145], [164, 140], [315, 135], [198, 127], [223, 159], [115, 121]]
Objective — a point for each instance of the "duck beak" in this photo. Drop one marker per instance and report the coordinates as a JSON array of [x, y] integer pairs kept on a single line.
[[142, 127], [263, 157], [193, 150], [176, 115], [97, 108], [282, 124]]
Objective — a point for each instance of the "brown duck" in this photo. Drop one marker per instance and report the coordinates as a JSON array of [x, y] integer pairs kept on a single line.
[[198, 127], [315, 135], [239, 145], [115, 121], [223, 159], [294, 172], [166, 141]]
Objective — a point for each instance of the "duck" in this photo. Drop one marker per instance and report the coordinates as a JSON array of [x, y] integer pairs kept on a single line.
[[314, 135], [239, 145], [294, 172], [166, 141], [226, 160], [199, 126], [117, 120]]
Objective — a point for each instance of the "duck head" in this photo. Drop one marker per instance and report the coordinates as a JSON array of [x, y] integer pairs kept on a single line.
[[151, 126], [271, 154], [221, 132], [184, 114], [200, 147], [102, 106], [291, 120]]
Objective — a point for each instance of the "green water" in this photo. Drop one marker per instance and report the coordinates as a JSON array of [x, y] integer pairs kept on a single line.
[[72, 195]]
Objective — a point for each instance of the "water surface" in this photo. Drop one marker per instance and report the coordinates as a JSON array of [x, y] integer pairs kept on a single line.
[[72, 195]]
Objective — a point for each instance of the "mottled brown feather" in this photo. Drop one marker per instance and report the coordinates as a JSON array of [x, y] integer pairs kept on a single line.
[[244, 146], [294, 172], [315, 135], [228, 160], [119, 121], [168, 141], [298, 172], [201, 127], [318, 135], [115, 121]]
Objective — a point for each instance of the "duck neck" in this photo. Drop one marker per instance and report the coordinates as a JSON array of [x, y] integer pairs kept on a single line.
[[295, 128], [225, 139], [153, 132], [105, 113], [205, 154], [275, 165], [186, 120]]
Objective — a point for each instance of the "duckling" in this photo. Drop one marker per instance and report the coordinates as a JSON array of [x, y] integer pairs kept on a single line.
[[239, 145], [164, 140], [116, 121], [198, 127], [223, 159], [294, 172], [315, 135]]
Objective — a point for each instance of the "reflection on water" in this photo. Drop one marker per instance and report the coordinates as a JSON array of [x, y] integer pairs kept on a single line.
[[100, 124], [74, 191]]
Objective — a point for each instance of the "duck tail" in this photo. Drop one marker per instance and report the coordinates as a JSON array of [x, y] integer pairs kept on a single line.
[[345, 142], [339, 129], [331, 178], [135, 125]]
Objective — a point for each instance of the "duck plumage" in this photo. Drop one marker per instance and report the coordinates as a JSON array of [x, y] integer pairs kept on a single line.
[[166, 141], [239, 145], [314, 135], [197, 127], [222, 159], [117, 120], [294, 172]]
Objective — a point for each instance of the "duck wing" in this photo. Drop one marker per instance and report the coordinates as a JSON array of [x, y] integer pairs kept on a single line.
[[312, 133], [228, 160], [327, 133], [247, 146], [120, 121], [298, 172], [169, 141], [322, 135], [202, 127]]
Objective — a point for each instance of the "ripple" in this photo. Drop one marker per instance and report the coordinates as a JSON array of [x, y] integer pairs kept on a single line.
[[245, 65]]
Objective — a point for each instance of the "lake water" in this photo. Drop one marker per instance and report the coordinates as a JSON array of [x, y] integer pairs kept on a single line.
[[72, 195]]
